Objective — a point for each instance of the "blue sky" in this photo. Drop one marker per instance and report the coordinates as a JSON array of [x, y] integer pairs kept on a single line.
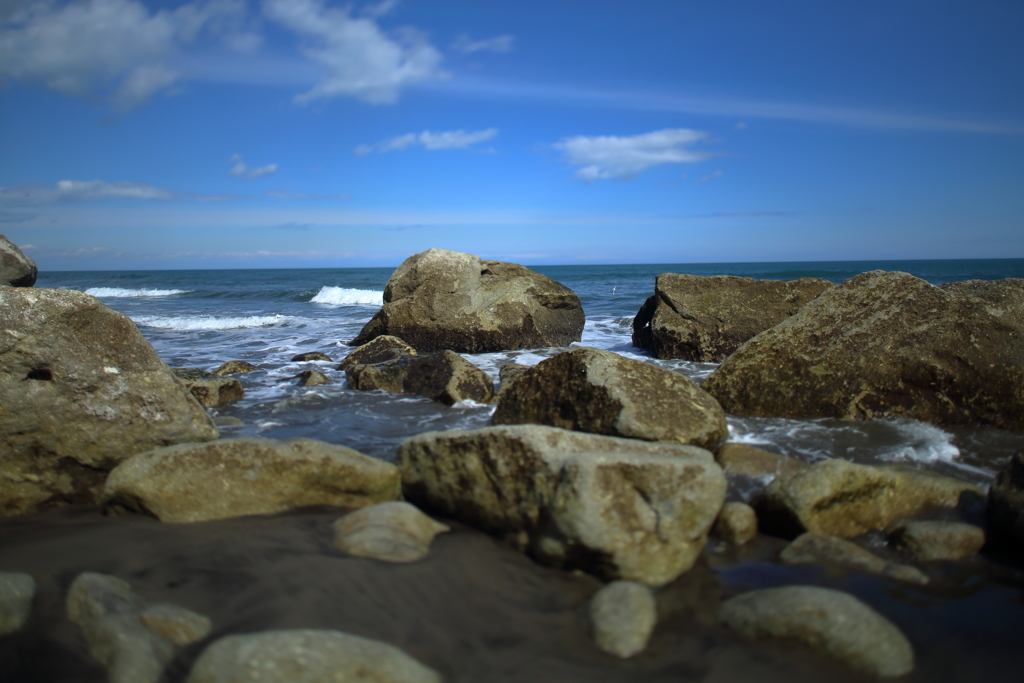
[[303, 133]]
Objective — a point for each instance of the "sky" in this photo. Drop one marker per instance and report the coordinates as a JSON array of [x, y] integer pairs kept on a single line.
[[137, 134]]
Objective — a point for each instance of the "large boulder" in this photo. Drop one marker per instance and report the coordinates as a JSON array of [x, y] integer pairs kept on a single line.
[[592, 390], [80, 391], [438, 300], [620, 508], [446, 377], [885, 345], [705, 319], [16, 269], [247, 476], [1006, 506]]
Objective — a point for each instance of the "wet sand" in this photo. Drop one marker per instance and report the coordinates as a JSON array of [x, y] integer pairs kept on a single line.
[[474, 609]]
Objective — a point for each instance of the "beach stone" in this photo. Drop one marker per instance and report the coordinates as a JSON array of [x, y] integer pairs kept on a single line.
[[211, 390], [819, 549], [706, 318], [508, 374], [597, 391], [737, 523], [825, 620], [311, 356], [1006, 505], [394, 532], [306, 656], [80, 391], [926, 540], [382, 348], [840, 498], [17, 591], [445, 300], [750, 461], [311, 378], [618, 508], [623, 615], [179, 625], [247, 476], [235, 367], [884, 345], [446, 377], [16, 269]]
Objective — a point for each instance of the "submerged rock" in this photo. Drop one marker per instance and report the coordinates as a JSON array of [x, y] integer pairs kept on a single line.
[[820, 549], [17, 591], [705, 319], [1006, 506], [310, 356], [177, 624], [16, 269], [623, 615], [737, 523], [312, 378], [926, 540], [446, 377], [444, 300], [211, 390], [382, 348], [235, 367], [394, 532]]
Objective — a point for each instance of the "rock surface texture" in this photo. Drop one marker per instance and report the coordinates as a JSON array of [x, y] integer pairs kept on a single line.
[[445, 377], [382, 348], [705, 319], [209, 388], [234, 367], [825, 620], [17, 591], [750, 461], [619, 508], [820, 549], [247, 476], [394, 532], [597, 391], [444, 300], [16, 269], [623, 615], [80, 391], [1006, 505], [926, 540], [886, 344], [737, 523]]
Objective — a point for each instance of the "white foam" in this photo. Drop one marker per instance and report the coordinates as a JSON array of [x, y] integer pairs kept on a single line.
[[925, 443], [118, 292], [210, 323], [341, 296]]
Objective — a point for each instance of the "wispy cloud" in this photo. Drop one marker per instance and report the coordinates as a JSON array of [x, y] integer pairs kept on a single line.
[[78, 191], [465, 45], [240, 170], [452, 139], [278, 194], [711, 176], [624, 157]]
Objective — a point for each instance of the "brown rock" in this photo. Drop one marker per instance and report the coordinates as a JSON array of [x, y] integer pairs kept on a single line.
[[393, 532], [820, 549], [209, 389], [934, 540], [623, 615], [16, 269], [311, 356], [311, 378], [508, 374], [446, 377], [382, 348], [749, 461], [737, 523], [1006, 505], [235, 367]]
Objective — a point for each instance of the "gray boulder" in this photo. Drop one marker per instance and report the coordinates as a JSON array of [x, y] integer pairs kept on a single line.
[[247, 476], [619, 508], [1006, 506], [444, 300], [623, 615], [884, 345], [820, 549], [925, 540], [705, 319], [394, 532], [16, 269], [310, 356], [210, 389], [597, 391], [80, 391], [446, 377], [829, 621], [17, 591]]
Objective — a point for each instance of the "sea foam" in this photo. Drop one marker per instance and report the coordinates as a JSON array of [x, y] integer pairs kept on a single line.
[[118, 292], [341, 296], [209, 323]]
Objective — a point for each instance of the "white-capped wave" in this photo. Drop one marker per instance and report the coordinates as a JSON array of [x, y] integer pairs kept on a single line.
[[209, 322], [119, 292], [342, 296], [923, 443]]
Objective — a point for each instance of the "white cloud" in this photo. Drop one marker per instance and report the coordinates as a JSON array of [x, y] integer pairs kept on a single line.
[[358, 59], [240, 170], [711, 176], [504, 43], [73, 191], [451, 139], [622, 158]]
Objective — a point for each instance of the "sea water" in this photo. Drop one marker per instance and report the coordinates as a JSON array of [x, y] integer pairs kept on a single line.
[[202, 318]]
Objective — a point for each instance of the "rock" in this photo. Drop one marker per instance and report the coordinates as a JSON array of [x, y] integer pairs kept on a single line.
[[597, 391], [17, 591], [749, 461], [623, 615], [443, 300], [16, 269], [737, 523], [705, 319], [619, 508], [883, 345], [508, 374], [247, 476], [80, 391], [839, 498], [311, 378], [382, 348], [177, 624], [227, 421], [933, 540], [306, 656], [209, 389], [311, 356], [1006, 506], [1002, 298], [446, 377], [235, 367], [819, 549], [829, 621], [394, 532]]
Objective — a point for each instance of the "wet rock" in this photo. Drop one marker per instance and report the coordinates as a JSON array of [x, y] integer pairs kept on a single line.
[[829, 621], [749, 461], [597, 391], [16, 269], [80, 391], [818, 549], [393, 531], [17, 591], [619, 508], [306, 656], [311, 378], [508, 374], [1006, 506], [311, 356], [176, 624], [446, 377], [247, 476], [623, 615], [883, 345], [737, 523], [235, 367], [705, 319], [444, 300], [839, 498], [926, 540], [382, 348], [209, 389]]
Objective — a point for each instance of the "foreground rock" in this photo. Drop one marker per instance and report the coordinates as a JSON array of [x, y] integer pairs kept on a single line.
[[925, 540], [445, 377], [306, 656], [1006, 506], [619, 508], [444, 300], [597, 391], [820, 549], [705, 319], [394, 532], [623, 615], [17, 591], [80, 391], [247, 476], [210, 389], [884, 345], [825, 620], [16, 269]]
